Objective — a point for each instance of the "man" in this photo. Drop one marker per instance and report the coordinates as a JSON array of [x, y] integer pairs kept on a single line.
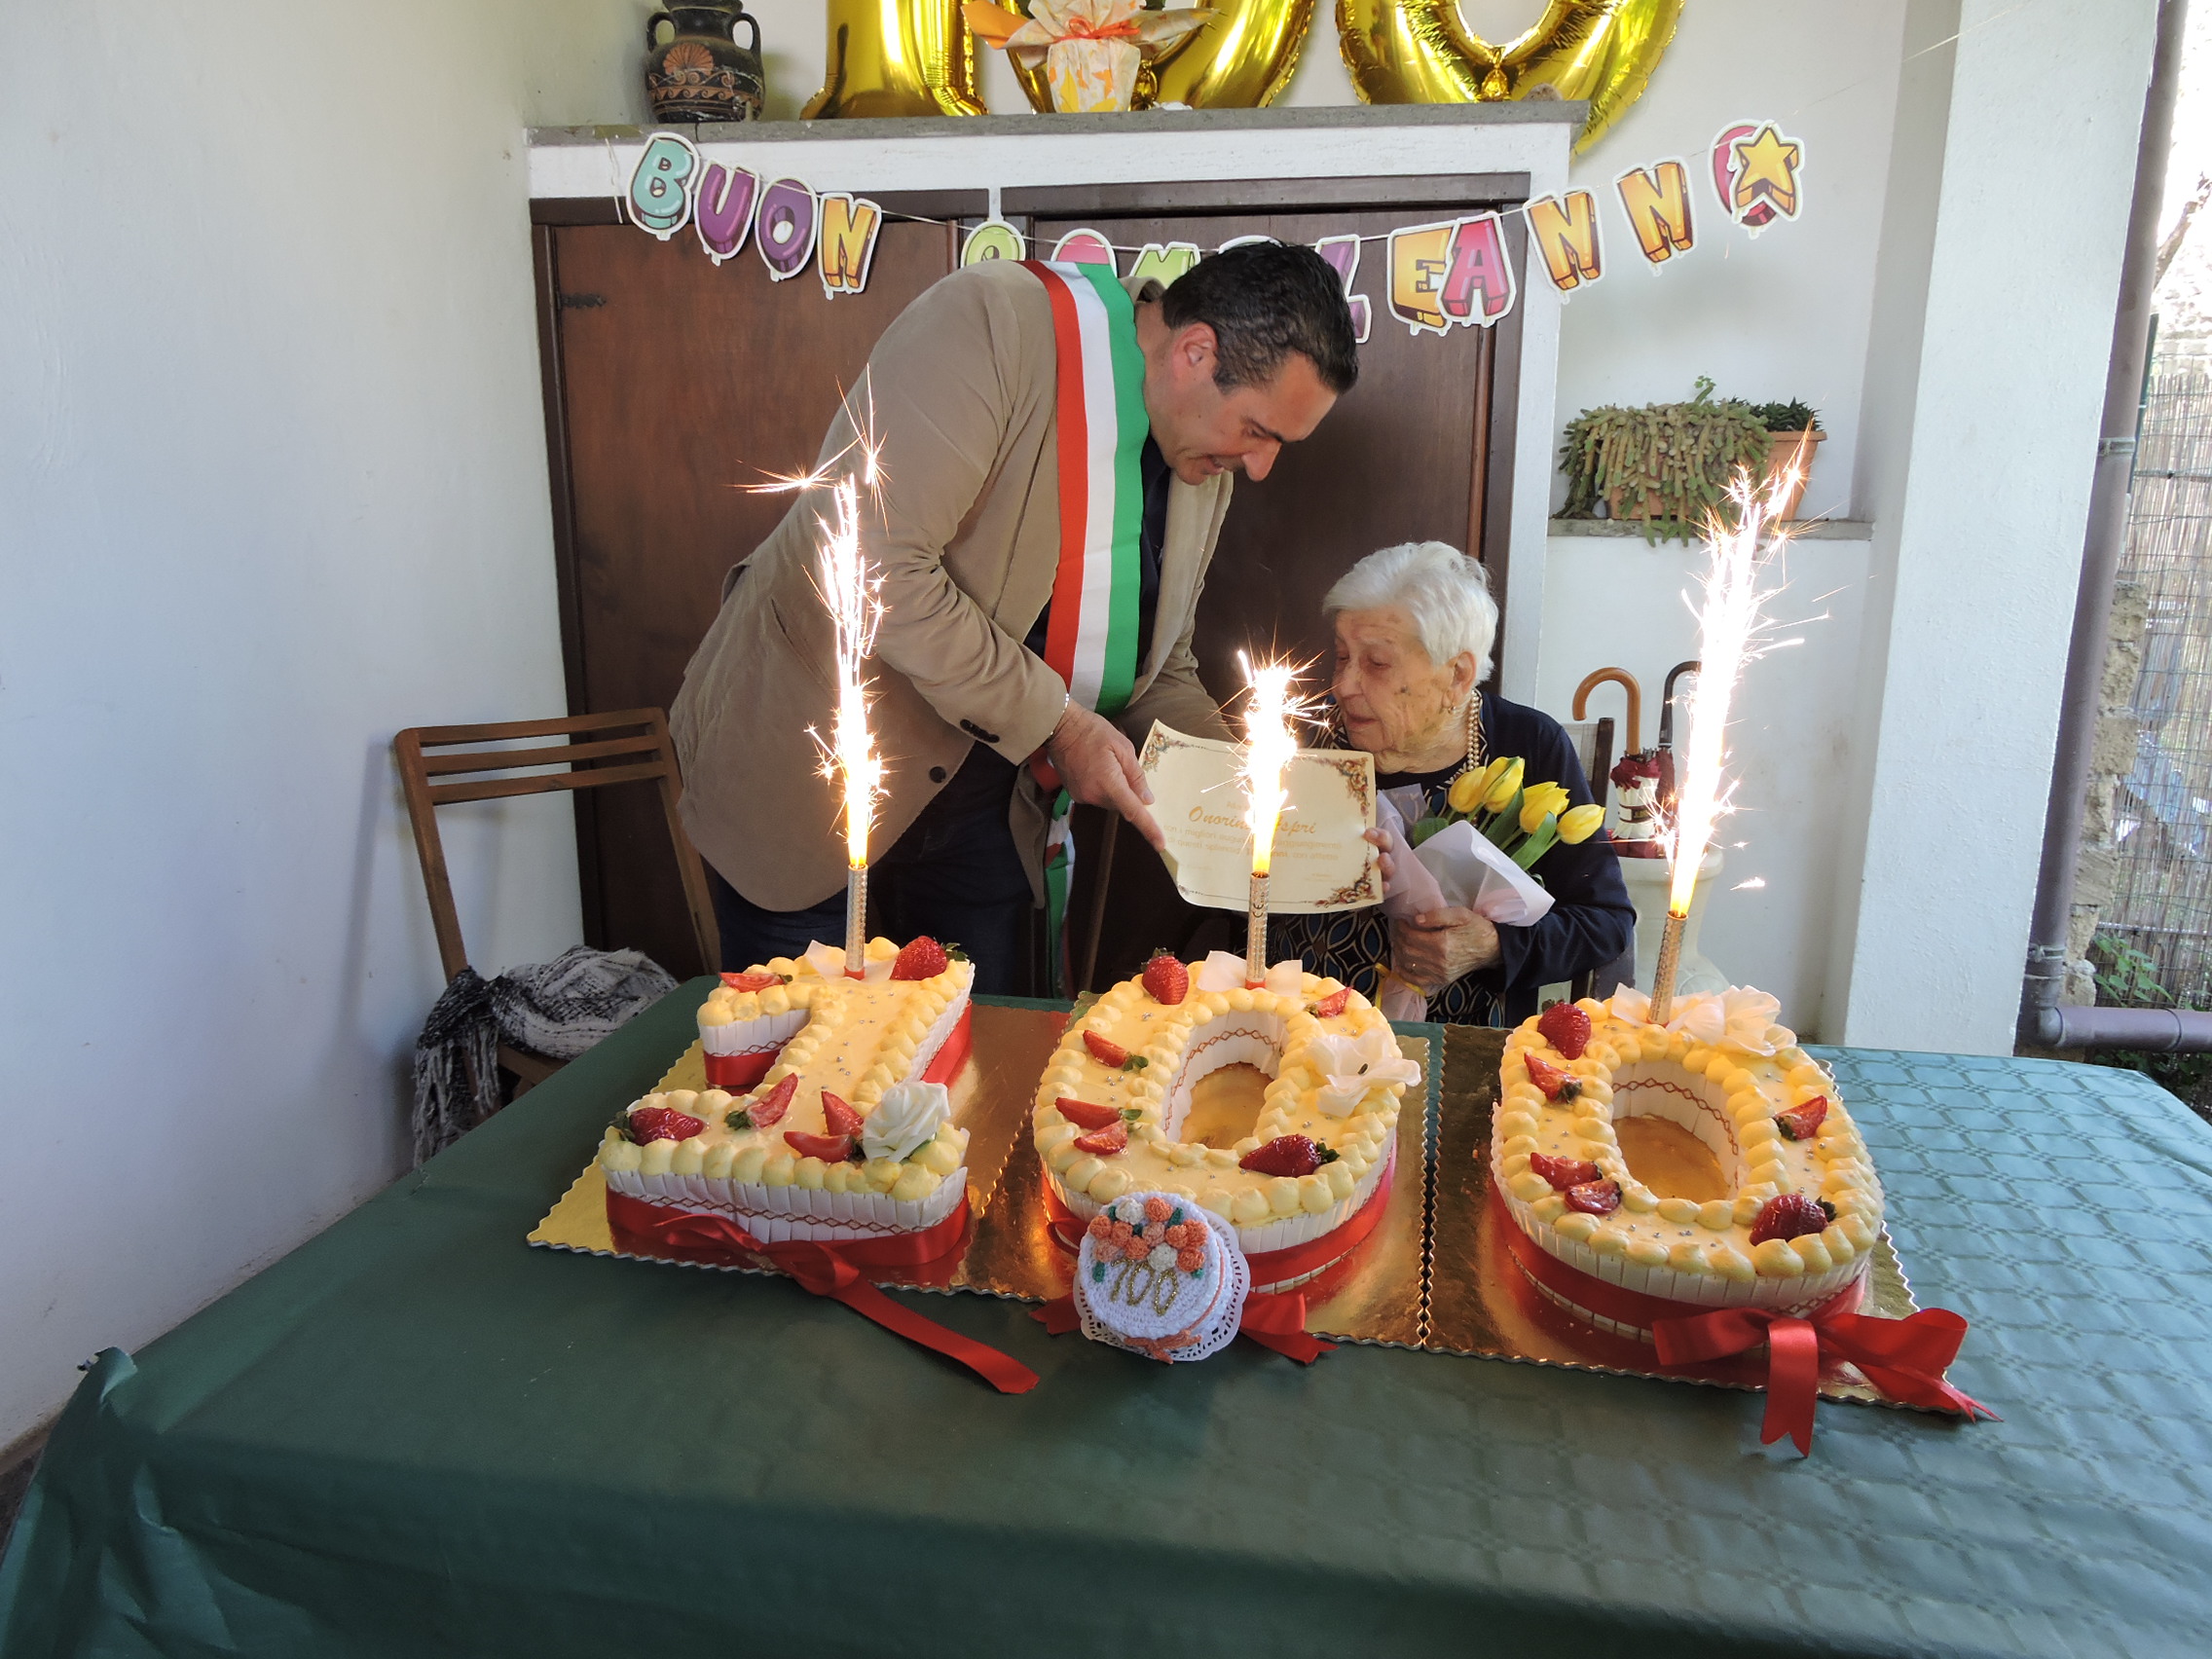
[[1056, 450]]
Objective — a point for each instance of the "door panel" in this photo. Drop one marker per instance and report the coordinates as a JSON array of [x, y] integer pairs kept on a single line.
[[682, 382]]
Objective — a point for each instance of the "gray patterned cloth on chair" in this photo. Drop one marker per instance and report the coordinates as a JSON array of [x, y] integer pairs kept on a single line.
[[556, 1009]]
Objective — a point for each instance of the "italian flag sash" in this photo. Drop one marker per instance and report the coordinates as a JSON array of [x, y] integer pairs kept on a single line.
[[1090, 641]]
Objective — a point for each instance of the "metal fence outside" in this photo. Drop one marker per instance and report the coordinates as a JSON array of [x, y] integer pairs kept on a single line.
[[2161, 901]]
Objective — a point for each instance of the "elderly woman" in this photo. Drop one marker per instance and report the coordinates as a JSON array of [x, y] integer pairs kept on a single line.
[[1413, 628]]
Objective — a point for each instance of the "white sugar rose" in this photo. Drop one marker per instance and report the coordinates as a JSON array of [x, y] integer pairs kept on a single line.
[[1350, 1066], [905, 1118]]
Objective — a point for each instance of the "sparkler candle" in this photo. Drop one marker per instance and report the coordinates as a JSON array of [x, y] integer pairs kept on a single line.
[[1268, 745], [1729, 625], [853, 595]]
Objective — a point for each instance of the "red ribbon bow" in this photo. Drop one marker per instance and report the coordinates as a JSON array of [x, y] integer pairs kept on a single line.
[[1905, 1358], [824, 1269], [1081, 28]]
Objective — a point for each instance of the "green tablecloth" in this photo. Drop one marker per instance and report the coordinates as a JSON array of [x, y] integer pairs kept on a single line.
[[413, 1435]]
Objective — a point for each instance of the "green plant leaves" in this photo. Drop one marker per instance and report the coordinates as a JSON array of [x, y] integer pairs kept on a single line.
[[1667, 465]]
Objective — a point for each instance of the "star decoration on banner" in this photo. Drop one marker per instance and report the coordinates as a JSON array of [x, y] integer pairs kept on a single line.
[[1766, 175]]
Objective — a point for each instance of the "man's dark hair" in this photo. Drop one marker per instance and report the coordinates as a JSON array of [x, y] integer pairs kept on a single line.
[[1263, 301]]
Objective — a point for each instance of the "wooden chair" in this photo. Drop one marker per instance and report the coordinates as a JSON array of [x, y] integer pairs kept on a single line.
[[628, 747], [1592, 742]]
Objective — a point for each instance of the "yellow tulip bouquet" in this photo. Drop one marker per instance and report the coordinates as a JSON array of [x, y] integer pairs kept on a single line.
[[1523, 821]]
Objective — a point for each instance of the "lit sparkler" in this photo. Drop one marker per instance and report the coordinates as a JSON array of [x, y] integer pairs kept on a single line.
[[1268, 746], [852, 592], [1730, 625]]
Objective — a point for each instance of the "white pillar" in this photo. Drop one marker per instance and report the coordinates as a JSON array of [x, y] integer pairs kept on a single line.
[[2008, 197]]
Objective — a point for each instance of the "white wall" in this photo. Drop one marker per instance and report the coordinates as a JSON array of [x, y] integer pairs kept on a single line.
[[1982, 497], [1789, 745], [273, 469]]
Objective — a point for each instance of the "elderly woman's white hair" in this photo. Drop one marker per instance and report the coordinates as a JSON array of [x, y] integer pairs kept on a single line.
[[1446, 593]]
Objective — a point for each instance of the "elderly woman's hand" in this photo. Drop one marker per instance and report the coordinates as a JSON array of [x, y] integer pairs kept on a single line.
[[1437, 947]]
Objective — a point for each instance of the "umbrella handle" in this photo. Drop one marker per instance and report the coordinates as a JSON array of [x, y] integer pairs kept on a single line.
[[1667, 701], [1627, 683]]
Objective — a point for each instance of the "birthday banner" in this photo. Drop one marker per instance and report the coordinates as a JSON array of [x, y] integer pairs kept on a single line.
[[1436, 277]]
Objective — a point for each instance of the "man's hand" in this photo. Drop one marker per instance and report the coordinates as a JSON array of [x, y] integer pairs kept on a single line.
[[1098, 767], [1436, 948]]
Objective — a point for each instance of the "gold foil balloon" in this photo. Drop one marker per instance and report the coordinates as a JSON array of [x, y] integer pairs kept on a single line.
[[1242, 60], [896, 58], [1420, 51]]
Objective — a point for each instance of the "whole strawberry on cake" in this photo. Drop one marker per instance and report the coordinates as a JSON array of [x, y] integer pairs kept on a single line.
[[835, 1124], [1791, 1210], [1114, 1098]]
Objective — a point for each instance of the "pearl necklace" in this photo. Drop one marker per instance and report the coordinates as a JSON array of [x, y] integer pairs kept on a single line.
[[1477, 748]]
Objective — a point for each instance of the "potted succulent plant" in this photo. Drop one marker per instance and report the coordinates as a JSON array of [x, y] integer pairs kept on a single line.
[[1668, 464], [1793, 430]]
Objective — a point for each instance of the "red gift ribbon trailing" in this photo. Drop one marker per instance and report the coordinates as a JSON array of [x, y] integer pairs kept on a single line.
[[826, 1269], [1274, 1319], [1905, 1359]]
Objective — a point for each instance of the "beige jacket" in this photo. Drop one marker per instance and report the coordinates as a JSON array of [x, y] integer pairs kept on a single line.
[[961, 389]]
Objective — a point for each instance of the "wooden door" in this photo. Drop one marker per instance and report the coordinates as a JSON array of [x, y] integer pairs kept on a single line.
[[672, 385]]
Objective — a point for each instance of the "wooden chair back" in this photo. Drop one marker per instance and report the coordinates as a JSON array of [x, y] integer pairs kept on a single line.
[[443, 765], [1592, 742]]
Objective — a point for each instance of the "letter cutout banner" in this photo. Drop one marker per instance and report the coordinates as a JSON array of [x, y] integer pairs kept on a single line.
[[1565, 230], [724, 212], [1451, 273], [1657, 202]]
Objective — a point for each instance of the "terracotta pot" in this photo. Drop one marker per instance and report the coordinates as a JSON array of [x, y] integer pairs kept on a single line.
[[1783, 449], [1646, 505]]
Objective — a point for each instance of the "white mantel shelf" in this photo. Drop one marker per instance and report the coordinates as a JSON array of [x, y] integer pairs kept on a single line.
[[1042, 151]]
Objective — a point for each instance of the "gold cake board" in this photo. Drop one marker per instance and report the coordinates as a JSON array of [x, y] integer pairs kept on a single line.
[[1432, 1276]]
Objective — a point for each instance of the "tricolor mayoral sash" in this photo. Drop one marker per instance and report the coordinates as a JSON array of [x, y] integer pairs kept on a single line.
[[1090, 641]]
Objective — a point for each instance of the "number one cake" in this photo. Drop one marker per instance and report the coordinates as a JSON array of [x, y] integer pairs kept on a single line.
[[836, 1124]]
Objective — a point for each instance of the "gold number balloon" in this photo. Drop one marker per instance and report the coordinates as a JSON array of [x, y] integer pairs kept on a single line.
[[1242, 60], [896, 58], [1420, 51]]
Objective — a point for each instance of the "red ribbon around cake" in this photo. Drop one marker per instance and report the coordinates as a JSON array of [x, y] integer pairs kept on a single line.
[[1274, 1319], [1905, 1359], [739, 1072], [827, 1268]]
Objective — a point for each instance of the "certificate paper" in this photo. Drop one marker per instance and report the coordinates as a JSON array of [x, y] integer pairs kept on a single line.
[[1320, 861]]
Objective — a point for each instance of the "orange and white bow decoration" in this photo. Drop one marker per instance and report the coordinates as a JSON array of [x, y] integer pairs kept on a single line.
[[1050, 21], [1090, 50]]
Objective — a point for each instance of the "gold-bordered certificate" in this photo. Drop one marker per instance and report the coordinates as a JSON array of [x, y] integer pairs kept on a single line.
[[1321, 861]]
